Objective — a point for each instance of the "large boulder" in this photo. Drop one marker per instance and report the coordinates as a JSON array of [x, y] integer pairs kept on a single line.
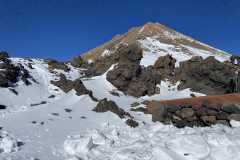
[[59, 65], [208, 76], [104, 105], [165, 66], [77, 62], [4, 55], [158, 111]]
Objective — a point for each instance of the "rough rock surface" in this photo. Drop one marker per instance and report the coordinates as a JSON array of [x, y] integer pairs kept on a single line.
[[185, 114], [104, 105], [67, 85], [77, 62], [211, 76], [165, 66], [129, 77], [58, 65], [132, 123], [10, 73]]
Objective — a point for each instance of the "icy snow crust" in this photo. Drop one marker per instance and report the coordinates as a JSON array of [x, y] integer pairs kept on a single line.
[[38, 134], [153, 48]]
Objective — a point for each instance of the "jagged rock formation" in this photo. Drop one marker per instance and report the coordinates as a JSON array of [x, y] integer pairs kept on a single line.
[[77, 62], [208, 76], [104, 105], [129, 77], [165, 66], [9, 73], [67, 85]]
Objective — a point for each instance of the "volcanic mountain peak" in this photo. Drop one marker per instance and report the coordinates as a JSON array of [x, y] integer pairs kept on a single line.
[[157, 40]]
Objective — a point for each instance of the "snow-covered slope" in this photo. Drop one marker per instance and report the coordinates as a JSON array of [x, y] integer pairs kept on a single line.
[[49, 131], [157, 40]]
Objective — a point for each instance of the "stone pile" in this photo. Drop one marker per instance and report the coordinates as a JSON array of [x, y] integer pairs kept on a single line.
[[191, 115]]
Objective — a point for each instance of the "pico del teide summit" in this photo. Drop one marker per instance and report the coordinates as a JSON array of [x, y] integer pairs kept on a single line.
[[147, 55], [157, 40]]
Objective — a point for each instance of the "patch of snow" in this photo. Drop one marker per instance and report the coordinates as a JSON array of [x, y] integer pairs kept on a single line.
[[106, 53], [90, 61], [153, 48], [8, 143]]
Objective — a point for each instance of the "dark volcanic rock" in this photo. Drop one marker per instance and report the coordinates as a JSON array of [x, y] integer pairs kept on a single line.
[[104, 105], [77, 62], [171, 108], [208, 76], [180, 123], [50, 61], [185, 105], [59, 65], [165, 66], [4, 55], [2, 107], [231, 109], [203, 111], [140, 109], [205, 103], [132, 123], [222, 116], [129, 77], [67, 85]]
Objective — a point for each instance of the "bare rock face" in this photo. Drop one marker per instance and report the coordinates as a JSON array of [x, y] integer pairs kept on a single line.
[[165, 66], [77, 62], [9, 71], [208, 76], [67, 85], [127, 75], [58, 65], [4, 55]]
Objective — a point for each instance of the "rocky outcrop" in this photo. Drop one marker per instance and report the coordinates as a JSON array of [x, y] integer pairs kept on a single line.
[[165, 66], [191, 115], [4, 56], [58, 65], [8, 72], [67, 85], [129, 77], [208, 76], [77, 62], [104, 105]]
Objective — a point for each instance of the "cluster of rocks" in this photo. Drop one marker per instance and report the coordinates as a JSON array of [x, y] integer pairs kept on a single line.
[[189, 115], [104, 105], [54, 64], [11, 73], [67, 85], [208, 76]]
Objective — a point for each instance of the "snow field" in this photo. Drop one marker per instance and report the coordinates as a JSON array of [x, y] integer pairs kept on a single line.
[[100, 135], [155, 141], [153, 48]]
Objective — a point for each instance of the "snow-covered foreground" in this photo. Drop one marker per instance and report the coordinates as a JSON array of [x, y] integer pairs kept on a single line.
[[155, 141], [48, 131]]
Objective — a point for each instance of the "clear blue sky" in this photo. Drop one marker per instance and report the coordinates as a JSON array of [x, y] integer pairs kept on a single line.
[[62, 29]]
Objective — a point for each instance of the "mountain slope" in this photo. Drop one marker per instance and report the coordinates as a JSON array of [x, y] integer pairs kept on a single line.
[[157, 40]]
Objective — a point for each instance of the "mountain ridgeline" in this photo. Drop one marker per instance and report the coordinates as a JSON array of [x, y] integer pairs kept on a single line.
[[137, 61]]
